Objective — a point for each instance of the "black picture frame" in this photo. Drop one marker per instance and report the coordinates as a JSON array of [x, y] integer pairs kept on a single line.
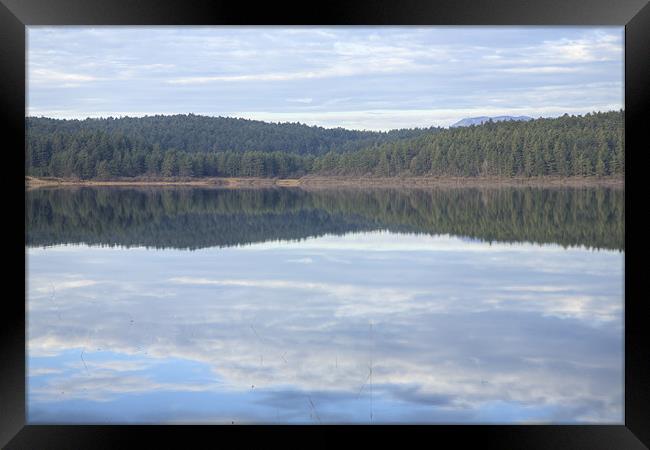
[[15, 15]]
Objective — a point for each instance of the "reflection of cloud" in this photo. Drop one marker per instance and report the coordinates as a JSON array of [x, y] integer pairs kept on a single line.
[[343, 291], [118, 366], [384, 241], [415, 395], [106, 387], [451, 332], [38, 371], [406, 363], [301, 260], [586, 307], [62, 285]]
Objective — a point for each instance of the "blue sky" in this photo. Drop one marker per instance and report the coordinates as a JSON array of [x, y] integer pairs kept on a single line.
[[375, 78]]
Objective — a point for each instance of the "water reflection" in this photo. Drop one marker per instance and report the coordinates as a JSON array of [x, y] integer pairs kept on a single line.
[[369, 326], [199, 218]]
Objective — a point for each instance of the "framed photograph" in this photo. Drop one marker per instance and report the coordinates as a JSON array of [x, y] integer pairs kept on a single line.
[[399, 220]]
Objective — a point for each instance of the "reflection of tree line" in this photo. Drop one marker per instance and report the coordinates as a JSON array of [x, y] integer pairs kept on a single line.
[[196, 218]]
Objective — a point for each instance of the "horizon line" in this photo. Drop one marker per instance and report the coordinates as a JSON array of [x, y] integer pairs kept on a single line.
[[98, 118]]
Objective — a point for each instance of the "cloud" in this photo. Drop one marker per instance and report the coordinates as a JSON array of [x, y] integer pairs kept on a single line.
[[53, 76], [333, 71], [540, 69], [594, 47], [300, 100], [390, 77]]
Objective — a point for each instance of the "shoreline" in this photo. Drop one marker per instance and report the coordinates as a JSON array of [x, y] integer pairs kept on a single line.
[[333, 182]]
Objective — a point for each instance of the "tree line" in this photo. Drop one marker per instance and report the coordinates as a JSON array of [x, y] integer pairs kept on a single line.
[[198, 146]]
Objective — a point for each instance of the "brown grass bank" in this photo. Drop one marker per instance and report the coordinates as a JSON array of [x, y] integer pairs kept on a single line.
[[330, 182]]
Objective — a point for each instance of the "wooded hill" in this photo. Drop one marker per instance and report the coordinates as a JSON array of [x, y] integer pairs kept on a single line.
[[199, 146]]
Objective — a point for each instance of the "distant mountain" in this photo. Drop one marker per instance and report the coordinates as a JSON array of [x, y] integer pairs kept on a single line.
[[479, 120]]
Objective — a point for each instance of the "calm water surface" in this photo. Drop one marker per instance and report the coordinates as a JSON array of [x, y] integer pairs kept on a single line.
[[287, 306]]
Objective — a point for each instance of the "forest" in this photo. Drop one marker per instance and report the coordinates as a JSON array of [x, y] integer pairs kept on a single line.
[[197, 218], [183, 146]]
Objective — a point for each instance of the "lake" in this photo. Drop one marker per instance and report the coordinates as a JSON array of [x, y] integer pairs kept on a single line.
[[439, 306]]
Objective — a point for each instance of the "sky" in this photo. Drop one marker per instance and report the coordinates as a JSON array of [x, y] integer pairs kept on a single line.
[[374, 78]]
